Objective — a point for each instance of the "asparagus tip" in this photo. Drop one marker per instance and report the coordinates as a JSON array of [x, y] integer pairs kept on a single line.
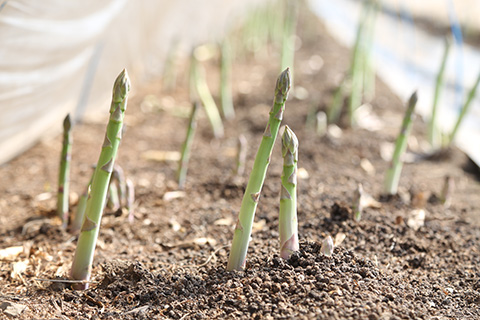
[[283, 85], [67, 123], [289, 141], [121, 87], [413, 99]]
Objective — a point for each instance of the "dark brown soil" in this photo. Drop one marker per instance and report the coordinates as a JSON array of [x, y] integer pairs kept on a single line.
[[170, 262]]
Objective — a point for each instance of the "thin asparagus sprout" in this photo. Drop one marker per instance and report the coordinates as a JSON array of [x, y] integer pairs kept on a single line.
[[433, 133], [113, 199], [287, 222], [187, 146], [119, 176], [225, 80], [392, 176], [288, 38], [243, 230], [64, 172], [465, 108], [447, 191], [200, 87], [82, 261], [77, 221], [241, 155], [358, 203], [130, 200], [327, 246]]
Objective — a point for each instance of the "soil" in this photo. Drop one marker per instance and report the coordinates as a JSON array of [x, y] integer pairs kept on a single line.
[[170, 262]]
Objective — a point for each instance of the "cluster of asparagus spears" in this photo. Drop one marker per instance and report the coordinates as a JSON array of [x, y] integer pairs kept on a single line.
[[288, 208], [106, 179]]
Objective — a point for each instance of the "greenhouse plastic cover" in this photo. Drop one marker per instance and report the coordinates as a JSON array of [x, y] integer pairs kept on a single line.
[[407, 58], [60, 57]]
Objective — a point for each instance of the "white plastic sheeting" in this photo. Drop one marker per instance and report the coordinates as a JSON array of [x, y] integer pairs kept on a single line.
[[61, 56]]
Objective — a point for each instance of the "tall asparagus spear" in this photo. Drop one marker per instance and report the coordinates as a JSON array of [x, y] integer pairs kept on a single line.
[[243, 230], [287, 223], [187, 146], [82, 262], [64, 172], [393, 173]]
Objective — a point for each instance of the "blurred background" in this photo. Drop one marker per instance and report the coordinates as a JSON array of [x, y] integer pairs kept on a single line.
[[61, 57]]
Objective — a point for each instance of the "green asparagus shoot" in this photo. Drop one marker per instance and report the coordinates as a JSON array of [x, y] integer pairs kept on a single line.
[[243, 229], [77, 221], [82, 261], [225, 80], [113, 199], [187, 146], [241, 155], [392, 176], [465, 108], [130, 200], [434, 136], [199, 87], [287, 223], [64, 172]]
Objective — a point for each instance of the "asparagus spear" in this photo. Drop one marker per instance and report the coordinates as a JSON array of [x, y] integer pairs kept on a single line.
[[465, 108], [287, 223], [243, 230], [392, 176], [199, 86], [187, 146], [433, 134], [64, 172], [82, 261], [225, 80], [81, 207]]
